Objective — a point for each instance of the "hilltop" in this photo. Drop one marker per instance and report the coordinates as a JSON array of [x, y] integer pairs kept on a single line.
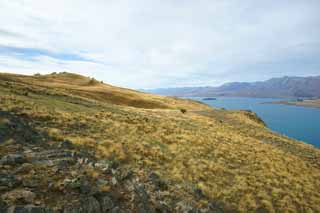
[[284, 87], [74, 144]]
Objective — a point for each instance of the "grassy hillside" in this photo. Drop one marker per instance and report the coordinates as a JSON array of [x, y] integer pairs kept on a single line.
[[71, 142]]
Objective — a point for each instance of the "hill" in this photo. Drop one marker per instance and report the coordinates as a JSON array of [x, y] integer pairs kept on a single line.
[[73, 144], [307, 87]]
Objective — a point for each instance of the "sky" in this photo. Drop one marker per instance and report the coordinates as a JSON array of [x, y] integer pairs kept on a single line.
[[162, 43]]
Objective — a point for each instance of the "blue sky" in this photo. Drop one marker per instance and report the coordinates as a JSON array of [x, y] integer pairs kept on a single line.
[[161, 43]]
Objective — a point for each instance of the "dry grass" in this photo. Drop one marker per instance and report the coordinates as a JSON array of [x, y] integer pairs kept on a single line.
[[230, 155]]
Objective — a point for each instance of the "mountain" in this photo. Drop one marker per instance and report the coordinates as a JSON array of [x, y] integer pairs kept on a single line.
[[307, 87], [70, 143]]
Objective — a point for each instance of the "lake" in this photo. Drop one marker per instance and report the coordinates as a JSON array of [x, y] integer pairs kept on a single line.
[[297, 122]]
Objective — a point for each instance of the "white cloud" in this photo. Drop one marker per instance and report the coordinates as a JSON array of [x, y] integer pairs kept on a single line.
[[162, 43]]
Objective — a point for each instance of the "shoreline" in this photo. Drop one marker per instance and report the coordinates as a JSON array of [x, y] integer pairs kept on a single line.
[[305, 103]]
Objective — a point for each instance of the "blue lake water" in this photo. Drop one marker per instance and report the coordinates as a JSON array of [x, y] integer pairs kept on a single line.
[[297, 122]]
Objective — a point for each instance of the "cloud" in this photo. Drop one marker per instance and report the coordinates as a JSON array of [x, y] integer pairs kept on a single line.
[[32, 53], [153, 43]]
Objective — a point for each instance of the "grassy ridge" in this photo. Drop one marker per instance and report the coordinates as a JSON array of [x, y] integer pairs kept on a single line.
[[204, 154]]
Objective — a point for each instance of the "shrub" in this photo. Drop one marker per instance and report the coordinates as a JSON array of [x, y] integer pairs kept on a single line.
[[183, 110]]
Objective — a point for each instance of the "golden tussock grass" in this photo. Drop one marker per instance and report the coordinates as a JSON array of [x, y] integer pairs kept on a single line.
[[230, 155]]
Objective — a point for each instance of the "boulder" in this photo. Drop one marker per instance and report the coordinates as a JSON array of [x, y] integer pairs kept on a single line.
[[30, 183], [9, 181], [106, 204], [88, 205], [91, 204], [66, 145], [28, 209], [13, 159], [3, 206], [143, 199], [21, 195]]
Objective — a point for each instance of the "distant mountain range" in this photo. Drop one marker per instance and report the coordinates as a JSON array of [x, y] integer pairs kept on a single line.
[[307, 87]]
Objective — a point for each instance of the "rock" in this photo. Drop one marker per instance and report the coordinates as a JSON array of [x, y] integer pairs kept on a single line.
[[116, 210], [106, 204], [87, 205], [37, 209], [114, 181], [16, 209], [186, 207], [66, 181], [216, 207], [63, 163], [91, 205], [12, 159], [157, 182], [80, 184], [72, 209], [30, 183], [21, 195], [102, 185], [3, 206], [127, 174], [163, 208], [10, 181], [143, 199], [28, 209], [85, 187], [114, 171], [66, 144], [24, 168], [102, 182]]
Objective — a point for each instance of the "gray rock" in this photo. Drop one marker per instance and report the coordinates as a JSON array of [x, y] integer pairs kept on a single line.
[[13, 159], [7, 180], [157, 182], [116, 210], [66, 145], [106, 204], [85, 187], [16, 209], [143, 199], [3, 206], [88, 205], [114, 181], [63, 163], [91, 205], [72, 209], [216, 207], [37, 209], [126, 175], [30, 183], [185, 207], [28, 209]]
